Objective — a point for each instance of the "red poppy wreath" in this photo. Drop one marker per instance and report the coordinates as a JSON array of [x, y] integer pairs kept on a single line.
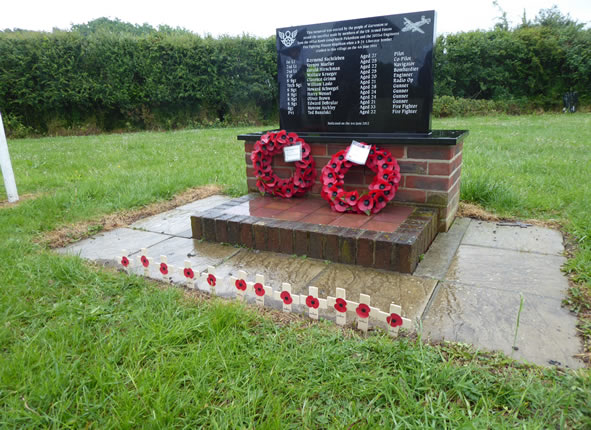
[[271, 144], [381, 190]]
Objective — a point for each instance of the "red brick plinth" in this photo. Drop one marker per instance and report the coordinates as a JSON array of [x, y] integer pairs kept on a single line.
[[430, 172], [394, 239]]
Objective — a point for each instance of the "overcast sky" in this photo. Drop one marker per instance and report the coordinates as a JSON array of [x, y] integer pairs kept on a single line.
[[261, 18]]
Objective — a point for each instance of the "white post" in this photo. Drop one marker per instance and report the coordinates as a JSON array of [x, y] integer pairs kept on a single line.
[[6, 166]]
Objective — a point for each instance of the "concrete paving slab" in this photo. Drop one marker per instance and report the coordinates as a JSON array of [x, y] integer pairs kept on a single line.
[[187, 234], [487, 318], [201, 254], [410, 292], [173, 222], [528, 239], [177, 222], [107, 246], [507, 270], [204, 204], [438, 258], [277, 268]]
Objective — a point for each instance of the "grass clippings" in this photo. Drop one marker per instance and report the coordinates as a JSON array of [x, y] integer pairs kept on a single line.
[[471, 210], [83, 229], [21, 198], [475, 211]]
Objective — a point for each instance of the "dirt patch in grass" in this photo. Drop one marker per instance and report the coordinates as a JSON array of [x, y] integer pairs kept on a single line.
[[21, 198], [75, 232], [472, 210]]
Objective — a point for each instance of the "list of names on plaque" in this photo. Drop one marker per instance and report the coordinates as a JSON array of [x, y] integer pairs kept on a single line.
[[370, 75], [321, 83]]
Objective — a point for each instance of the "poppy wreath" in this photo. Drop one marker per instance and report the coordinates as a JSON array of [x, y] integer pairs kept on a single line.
[[381, 190], [271, 144]]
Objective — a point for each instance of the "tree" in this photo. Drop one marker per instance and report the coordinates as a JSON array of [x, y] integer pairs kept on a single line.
[[554, 18], [113, 26]]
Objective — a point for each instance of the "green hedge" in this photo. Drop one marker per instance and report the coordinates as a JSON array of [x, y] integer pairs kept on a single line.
[[534, 63], [55, 81]]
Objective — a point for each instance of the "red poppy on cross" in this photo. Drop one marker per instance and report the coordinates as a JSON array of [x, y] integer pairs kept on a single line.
[[313, 302], [240, 283]]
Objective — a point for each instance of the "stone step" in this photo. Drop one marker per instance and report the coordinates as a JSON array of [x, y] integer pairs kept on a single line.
[[394, 240]]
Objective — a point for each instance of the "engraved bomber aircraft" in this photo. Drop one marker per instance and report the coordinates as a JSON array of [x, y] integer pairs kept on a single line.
[[415, 26]]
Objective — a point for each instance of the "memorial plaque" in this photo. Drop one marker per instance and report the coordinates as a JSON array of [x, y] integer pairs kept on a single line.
[[371, 75]]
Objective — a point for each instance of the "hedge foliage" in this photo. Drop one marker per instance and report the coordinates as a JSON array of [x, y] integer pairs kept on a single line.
[[110, 80], [534, 63], [108, 75]]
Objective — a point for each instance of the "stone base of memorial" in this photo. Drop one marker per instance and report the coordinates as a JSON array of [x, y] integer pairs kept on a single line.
[[394, 239], [431, 166]]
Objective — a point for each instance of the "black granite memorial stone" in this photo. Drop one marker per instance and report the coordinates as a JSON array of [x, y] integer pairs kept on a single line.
[[371, 75]]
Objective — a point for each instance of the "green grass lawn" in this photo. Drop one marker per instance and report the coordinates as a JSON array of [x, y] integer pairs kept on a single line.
[[84, 347]]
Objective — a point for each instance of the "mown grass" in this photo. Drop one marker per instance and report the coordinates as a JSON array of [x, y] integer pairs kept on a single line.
[[85, 347]]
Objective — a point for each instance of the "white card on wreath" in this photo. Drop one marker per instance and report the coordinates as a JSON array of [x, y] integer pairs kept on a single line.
[[358, 153], [292, 153]]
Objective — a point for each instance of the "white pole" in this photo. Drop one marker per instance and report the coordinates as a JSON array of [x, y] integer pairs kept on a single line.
[[7, 172]]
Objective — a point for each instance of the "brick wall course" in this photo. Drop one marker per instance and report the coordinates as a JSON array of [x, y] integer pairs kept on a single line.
[[430, 174]]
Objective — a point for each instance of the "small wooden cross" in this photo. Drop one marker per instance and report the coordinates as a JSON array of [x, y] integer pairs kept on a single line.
[[394, 319], [261, 290], [209, 277], [144, 260], [363, 311], [313, 302], [286, 297], [341, 305], [240, 284], [165, 269], [125, 262], [190, 276]]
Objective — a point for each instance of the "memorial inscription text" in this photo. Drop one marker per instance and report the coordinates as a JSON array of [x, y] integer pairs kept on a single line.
[[369, 75]]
